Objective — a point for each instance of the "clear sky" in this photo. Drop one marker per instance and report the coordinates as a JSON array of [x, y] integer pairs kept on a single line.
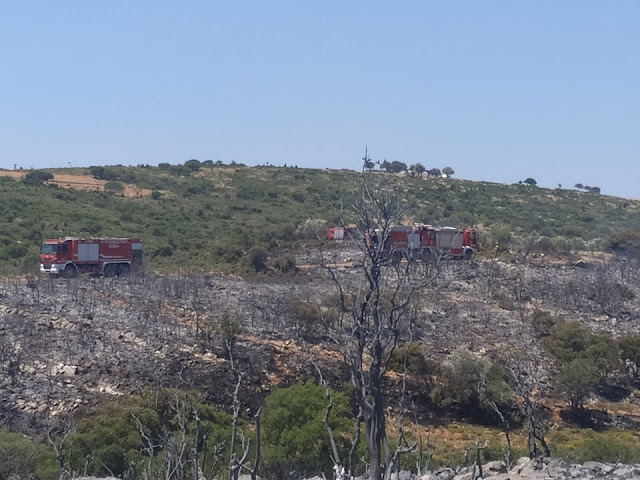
[[498, 90]]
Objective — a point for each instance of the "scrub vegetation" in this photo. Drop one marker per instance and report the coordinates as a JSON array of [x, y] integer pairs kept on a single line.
[[202, 215]]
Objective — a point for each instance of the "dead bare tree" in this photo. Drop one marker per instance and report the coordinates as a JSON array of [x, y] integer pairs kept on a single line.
[[402, 446], [338, 468], [376, 313], [527, 385], [237, 462]]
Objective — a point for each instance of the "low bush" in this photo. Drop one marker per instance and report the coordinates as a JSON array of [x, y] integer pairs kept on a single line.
[[21, 458], [296, 444]]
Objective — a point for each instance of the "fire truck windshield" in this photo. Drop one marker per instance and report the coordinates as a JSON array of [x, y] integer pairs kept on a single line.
[[48, 248]]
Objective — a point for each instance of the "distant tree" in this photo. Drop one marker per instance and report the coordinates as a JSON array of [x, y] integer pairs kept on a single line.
[[97, 172], [579, 186], [37, 177], [417, 169], [180, 170], [595, 190], [530, 181], [385, 165], [436, 172], [193, 164], [448, 171], [398, 167]]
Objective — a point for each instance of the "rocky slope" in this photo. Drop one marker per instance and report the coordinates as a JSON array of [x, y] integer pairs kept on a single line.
[[65, 345]]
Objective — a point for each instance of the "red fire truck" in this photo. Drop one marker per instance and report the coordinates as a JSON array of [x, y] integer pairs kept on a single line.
[[424, 242], [99, 256]]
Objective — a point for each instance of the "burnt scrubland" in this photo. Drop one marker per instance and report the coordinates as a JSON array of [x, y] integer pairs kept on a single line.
[[532, 348]]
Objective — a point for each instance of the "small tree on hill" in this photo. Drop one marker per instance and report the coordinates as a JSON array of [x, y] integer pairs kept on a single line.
[[37, 177], [530, 181], [448, 171], [417, 169], [193, 164], [394, 167]]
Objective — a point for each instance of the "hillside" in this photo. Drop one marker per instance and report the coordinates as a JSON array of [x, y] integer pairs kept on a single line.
[[537, 332], [209, 216]]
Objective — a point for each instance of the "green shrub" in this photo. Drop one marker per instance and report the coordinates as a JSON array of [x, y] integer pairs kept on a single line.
[[193, 165], [571, 340], [416, 362], [625, 242], [285, 264], [471, 385], [37, 177], [568, 340], [577, 378], [257, 258], [617, 447], [582, 445], [542, 322], [109, 442], [22, 458], [114, 186], [629, 346], [294, 436]]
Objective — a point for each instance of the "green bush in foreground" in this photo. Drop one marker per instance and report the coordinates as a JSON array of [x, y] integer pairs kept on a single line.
[[23, 458], [295, 439], [579, 446]]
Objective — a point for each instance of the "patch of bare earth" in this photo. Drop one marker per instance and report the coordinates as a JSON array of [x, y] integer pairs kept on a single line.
[[80, 182]]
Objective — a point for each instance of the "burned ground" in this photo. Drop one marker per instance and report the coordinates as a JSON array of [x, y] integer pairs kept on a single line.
[[68, 344]]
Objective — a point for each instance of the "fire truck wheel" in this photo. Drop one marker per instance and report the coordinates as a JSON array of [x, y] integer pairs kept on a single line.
[[109, 270], [468, 254], [70, 272], [125, 270]]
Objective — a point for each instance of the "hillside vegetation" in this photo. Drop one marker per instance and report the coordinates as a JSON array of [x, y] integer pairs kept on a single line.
[[208, 216], [151, 371]]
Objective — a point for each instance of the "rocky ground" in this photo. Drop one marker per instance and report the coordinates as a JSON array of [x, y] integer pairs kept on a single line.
[[536, 469], [67, 344]]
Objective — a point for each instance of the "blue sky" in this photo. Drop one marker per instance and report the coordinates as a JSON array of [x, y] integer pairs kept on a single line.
[[498, 90]]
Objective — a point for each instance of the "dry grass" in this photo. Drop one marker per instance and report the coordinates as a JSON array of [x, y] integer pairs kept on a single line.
[[80, 182]]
